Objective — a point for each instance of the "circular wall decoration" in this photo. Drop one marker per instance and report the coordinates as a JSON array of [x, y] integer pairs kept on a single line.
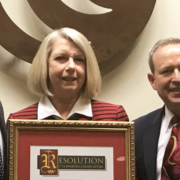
[[110, 33], [14, 40], [110, 25]]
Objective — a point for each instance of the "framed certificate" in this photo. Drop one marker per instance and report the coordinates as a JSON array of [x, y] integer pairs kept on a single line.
[[71, 150]]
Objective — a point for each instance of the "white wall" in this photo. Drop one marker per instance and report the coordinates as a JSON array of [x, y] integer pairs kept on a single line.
[[126, 84]]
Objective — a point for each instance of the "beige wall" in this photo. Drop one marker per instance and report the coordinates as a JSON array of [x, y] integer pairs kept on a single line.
[[126, 84]]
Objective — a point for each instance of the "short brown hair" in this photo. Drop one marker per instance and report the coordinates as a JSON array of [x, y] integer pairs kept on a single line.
[[160, 43]]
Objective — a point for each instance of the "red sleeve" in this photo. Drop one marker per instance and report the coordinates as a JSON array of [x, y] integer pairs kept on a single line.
[[121, 114], [10, 116]]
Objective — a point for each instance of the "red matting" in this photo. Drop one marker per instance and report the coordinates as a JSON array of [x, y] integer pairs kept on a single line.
[[70, 138]]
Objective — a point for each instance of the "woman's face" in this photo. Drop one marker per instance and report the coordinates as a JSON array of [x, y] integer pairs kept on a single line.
[[67, 68]]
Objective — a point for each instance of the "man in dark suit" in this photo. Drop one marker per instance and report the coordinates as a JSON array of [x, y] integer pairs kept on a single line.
[[153, 131], [3, 145]]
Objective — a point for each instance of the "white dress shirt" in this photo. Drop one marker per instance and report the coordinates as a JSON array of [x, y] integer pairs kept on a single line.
[[165, 133], [46, 109]]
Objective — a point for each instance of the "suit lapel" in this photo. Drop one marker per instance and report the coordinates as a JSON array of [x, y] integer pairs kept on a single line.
[[3, 126], [4, 138], [150, 144]]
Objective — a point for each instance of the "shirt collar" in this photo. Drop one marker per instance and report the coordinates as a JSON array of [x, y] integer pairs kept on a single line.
[[167, 119], [46, 109]]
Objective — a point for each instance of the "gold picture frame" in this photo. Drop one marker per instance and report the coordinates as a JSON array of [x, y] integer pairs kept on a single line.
[[24, 133]]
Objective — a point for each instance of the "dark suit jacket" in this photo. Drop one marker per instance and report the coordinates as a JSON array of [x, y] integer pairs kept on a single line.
[[147, 130], [4, 137]]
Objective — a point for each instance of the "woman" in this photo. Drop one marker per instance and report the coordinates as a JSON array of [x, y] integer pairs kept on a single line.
[[65, 74]]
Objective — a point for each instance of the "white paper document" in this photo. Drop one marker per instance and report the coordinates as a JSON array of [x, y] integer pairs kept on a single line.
[[74, 174]]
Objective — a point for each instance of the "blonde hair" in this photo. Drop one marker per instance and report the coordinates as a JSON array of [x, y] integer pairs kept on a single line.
[[38, 75]]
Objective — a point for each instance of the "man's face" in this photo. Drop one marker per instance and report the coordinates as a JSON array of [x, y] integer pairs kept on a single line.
[[166, 76]]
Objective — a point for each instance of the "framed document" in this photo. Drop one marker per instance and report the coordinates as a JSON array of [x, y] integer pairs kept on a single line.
[[71, 150]]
